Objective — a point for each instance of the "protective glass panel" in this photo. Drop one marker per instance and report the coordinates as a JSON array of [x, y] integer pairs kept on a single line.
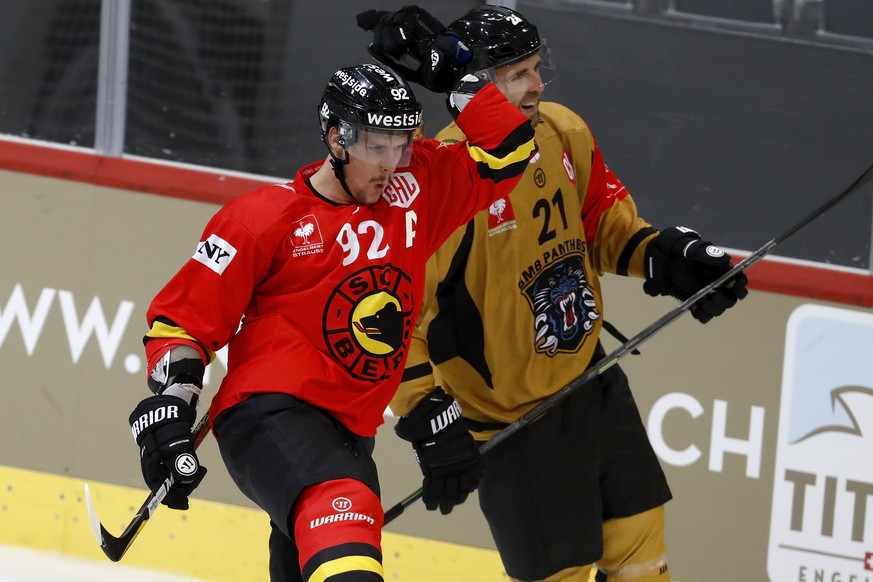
[[48, 69]]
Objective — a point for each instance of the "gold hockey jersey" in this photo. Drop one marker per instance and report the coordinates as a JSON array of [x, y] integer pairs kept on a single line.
[[512, 309]]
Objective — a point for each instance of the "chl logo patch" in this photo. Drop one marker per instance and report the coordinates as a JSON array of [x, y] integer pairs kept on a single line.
[[402, 190], [215, 252], [368, 321]]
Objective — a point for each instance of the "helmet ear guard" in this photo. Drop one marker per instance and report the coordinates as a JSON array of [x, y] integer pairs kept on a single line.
[[347, 134]]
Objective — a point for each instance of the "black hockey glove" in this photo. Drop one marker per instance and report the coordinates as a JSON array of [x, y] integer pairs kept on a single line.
[[415, 44], [463, 92], [161, 426], [679, 264], [446, 452]]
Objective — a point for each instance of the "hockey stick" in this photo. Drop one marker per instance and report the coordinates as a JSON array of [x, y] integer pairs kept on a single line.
[[116, 547], [611, 359]]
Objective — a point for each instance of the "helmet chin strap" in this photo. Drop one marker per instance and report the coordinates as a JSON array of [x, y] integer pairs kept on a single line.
[[340, 174], [338, 166]]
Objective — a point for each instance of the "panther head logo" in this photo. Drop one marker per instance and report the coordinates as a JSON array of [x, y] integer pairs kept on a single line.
[[563, 306]]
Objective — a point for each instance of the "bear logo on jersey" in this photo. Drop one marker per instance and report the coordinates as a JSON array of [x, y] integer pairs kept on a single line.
[[563, 306], [368, 321]]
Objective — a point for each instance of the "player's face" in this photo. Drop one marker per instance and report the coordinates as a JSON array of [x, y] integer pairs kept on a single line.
[[522, 85], [372, 160]]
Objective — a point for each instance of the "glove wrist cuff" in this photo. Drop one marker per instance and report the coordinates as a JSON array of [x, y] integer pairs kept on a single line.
[[433, 415], [157, 411]]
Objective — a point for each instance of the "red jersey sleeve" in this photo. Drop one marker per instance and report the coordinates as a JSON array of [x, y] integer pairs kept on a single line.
[[488, 166], [613, 229], [208, 296], [604, 190]]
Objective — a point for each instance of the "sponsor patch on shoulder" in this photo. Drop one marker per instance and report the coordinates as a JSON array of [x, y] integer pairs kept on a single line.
[[501, 217], [568, 166], [215, 252], [306, 236]]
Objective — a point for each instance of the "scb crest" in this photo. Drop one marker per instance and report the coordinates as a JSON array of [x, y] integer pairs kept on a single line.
[[368, 321], [563, 306]]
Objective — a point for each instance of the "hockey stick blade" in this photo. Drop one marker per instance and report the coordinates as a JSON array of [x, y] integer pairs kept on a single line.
[[611, 359], [115, 547]]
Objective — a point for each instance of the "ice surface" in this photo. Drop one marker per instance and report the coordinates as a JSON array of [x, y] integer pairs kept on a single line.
[[25, 565]]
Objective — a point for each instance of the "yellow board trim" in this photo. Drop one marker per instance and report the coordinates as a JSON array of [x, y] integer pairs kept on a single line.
[[211, 541]]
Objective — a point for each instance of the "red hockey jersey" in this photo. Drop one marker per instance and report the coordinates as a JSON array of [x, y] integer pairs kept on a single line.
[[327, 295]]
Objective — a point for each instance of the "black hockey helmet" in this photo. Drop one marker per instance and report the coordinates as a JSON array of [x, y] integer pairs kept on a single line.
[[498, 36], [367, 98], [371, 97]]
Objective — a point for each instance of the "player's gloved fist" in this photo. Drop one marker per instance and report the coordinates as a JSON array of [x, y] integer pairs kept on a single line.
[[446, 452], [448, 59], [413, 42], [161, 426], [463, 91], [410, 30], [679, 263]]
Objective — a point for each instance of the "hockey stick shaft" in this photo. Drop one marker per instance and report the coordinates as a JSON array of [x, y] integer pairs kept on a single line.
[[611, 359], [115, 547]]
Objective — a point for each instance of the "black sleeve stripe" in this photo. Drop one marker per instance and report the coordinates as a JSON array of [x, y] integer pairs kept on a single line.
[[417, 371], [512, 142], [507, 159], [504, 173], [629, 248]]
